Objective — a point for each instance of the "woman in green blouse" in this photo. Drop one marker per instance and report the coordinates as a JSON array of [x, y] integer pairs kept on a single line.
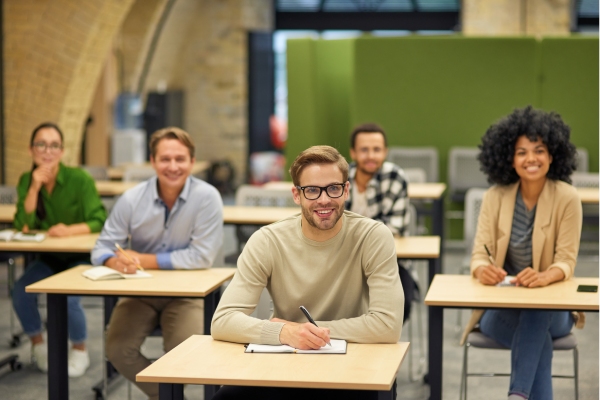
[[64, 202]]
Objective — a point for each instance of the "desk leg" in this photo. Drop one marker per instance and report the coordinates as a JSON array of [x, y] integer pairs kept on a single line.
[[58, 380], [210, 306], [438, 225], [388, 394], [436, 336], [170, 391]]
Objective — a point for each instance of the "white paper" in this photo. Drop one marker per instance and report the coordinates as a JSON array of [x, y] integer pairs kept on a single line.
[[506, 281], [338, 346], [102, 273]]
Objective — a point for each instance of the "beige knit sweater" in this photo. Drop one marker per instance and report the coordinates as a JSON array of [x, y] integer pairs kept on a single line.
[[349, 283]]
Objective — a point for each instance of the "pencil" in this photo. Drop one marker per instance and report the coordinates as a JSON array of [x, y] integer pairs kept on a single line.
[[128, 257]]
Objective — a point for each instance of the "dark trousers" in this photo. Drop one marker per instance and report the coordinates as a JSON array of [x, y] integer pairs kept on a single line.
[[271, 393], [410, 288]]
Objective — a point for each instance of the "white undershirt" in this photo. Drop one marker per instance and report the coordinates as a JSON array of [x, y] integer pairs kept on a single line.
[[359, 202]]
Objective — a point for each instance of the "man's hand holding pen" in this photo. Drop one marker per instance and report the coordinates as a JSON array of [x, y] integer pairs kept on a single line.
[[304, 336]]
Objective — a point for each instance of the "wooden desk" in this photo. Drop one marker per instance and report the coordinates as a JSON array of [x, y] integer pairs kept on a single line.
[[116, 173], [588, 195], [113, 188], [462, 291], [71, 244], [199, 283], [7, 213], [420, 248], [248, 215], [200, 360]]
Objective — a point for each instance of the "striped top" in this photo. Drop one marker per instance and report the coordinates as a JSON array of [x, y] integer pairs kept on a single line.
[[519, 255]]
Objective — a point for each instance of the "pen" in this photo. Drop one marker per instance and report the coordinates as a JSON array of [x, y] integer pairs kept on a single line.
[[128, 257], [490, 257], [312, 321]]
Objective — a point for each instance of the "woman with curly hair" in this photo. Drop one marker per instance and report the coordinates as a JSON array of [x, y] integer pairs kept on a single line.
[[530, 221]]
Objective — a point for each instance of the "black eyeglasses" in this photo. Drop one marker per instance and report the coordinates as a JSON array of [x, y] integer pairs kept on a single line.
[[314, 192], [41, 147]]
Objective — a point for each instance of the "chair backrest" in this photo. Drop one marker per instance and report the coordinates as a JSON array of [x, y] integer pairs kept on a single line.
[[415, 175], [473, 200], [425, 158], [585, 179], [8, 194], [582, 160], [249, 195], [413, 229], [138, 174], [99, 173], [463, 170]]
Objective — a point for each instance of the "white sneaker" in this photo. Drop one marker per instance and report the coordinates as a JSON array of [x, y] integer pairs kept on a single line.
[[79, 361], [39, 356]]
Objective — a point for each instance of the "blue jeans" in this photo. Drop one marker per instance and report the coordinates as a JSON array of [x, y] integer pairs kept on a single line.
[[26, 304], [529, 334]]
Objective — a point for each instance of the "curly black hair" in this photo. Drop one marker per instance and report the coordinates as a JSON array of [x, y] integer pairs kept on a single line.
[[498, 145]]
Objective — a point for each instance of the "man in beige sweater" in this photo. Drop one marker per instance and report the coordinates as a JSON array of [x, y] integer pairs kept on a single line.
[[339, 265]]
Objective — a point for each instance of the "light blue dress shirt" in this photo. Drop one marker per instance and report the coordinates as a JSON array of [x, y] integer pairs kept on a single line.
[[189, 236]]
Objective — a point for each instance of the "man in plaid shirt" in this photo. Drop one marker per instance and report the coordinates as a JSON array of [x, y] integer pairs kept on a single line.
[[378, 190]]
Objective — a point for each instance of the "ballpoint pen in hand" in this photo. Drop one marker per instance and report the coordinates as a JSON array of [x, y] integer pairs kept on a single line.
[[490, 257], [310, 319], [138, 266]]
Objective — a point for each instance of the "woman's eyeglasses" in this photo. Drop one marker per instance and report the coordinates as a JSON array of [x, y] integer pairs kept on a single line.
[[41, 147]]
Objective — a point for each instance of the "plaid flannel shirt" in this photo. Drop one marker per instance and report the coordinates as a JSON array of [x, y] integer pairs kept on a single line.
[[387, 197]]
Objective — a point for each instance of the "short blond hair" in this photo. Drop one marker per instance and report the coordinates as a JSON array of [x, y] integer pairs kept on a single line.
[[318, 155], [171, 132]]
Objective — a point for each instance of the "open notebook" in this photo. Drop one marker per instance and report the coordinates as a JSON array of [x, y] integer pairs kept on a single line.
[[338, 346], [102, 273]]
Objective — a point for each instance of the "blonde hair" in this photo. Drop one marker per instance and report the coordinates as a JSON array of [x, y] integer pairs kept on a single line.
[[171, 133], [318, 155]]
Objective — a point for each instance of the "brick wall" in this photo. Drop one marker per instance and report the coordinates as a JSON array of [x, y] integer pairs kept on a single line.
[[54, 51], [202, 51]]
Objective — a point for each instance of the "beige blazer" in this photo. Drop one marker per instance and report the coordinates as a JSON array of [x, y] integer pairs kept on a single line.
[[556, 231]]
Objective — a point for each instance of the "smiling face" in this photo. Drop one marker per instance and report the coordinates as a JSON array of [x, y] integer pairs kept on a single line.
[[47, 148], [369, 152], [531, 160], [172, 163], [321, 217]]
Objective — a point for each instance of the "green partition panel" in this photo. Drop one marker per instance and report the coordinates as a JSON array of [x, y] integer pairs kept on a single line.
[[320, 81], [443, 91], [569, 86]]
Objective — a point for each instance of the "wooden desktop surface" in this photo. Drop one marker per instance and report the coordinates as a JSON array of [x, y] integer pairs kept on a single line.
[[202, 360], [417, 247], [116, 173], [71, 244], [113, 188], [7, 213], [251, 215], [588, 195], [180, 283], [428, 190], [465, 291]]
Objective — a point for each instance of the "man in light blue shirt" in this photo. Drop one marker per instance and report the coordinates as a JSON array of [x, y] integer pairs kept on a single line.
[[174, 221]]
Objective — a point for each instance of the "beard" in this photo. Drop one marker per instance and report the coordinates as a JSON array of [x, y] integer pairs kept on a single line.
[[323, 224]]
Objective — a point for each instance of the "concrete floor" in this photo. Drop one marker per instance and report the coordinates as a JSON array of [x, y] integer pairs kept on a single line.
[[31, 384]]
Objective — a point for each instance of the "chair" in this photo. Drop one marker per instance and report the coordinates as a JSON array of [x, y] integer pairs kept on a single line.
[[412, 231], [8, 195], [582, 160], [97, 172], [473, 201], [479, 340], [590, 211], [415, 175], [138, 174], [464, 172], [425, 158]]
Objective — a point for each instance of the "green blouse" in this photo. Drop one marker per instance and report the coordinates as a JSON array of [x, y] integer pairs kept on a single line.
[[74, 199]]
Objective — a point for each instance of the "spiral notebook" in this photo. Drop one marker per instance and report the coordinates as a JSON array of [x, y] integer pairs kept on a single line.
[[338, 346]]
